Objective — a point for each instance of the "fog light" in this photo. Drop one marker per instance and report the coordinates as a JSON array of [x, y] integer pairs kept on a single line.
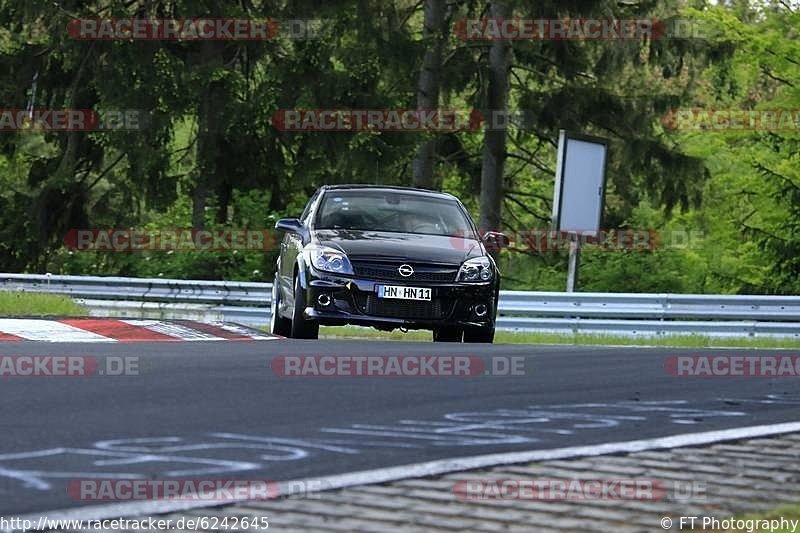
[[481, 310], [324, 300]]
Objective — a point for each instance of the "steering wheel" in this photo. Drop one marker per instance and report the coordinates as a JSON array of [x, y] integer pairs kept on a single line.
[[424, 227]]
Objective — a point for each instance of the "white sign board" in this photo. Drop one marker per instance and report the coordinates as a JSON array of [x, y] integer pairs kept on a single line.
[[580, 184]]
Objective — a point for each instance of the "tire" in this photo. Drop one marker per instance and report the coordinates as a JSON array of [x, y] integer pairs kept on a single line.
[[278, 325], [302, 328], [447, 334], [484, 335]]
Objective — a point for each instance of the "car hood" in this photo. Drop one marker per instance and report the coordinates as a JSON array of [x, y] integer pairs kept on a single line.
[[409, 247]]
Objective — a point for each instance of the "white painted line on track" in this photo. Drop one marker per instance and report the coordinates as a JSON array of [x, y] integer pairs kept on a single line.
[[48, 331], [430, 468], [235, 328], [174, 330]]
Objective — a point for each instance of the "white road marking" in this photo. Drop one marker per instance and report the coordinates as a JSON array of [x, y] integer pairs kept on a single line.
[[174, 330], [235, 328], [430, 468], [44, 330], [48, 331]]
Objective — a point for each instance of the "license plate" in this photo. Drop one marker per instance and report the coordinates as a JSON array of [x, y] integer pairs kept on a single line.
[[404, 293]]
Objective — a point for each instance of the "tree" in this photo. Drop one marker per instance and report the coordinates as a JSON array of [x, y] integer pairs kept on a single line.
[[434, 33], [494, 150], [754, 198]]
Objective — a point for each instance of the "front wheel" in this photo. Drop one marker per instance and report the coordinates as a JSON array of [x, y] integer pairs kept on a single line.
[[485, 335], [302, 328], [278, 325], [448, 334]]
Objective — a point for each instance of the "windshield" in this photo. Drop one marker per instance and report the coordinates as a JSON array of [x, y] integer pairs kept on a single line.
[[393, 212]]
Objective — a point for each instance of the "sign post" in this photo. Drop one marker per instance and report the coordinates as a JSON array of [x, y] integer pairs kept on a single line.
[[579, 193], [572, 265]]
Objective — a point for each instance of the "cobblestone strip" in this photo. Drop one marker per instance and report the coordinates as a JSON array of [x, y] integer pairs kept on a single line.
[[722, 480]]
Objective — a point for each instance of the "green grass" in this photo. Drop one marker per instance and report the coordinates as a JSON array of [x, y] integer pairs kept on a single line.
[[504, 337], [18, 303]]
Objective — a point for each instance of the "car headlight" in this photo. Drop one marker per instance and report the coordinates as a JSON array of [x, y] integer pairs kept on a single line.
[[330, 260], [478, 269]]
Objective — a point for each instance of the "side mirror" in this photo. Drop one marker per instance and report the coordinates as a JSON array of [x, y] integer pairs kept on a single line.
[[290, 225], [494, 240]]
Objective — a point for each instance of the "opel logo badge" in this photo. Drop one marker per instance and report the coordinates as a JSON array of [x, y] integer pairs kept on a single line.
[[405, 270]]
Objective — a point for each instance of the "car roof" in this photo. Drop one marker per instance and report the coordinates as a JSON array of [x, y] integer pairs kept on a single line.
[[409, 190]]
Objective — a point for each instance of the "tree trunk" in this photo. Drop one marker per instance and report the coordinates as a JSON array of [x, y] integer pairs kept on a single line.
[[434, 32], [494, 149], [276, 170], [210, 117]]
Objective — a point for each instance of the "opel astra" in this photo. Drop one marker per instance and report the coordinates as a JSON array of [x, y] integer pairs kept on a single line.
[[386, 257]]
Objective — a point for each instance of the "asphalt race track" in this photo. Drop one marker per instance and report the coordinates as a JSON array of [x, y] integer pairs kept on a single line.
[[218, 410]]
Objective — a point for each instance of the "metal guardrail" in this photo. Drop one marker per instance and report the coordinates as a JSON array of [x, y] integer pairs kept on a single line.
[[604, 313]]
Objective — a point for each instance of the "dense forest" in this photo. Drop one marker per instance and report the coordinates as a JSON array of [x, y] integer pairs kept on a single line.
[[702, 117]]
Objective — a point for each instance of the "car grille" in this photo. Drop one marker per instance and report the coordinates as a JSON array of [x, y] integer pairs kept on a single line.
[[403, 308], [389, 271]]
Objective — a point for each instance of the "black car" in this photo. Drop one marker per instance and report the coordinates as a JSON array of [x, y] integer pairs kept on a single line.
[[386, 257]]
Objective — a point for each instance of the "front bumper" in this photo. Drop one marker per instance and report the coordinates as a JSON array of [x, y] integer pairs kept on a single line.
[[355, 301]]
